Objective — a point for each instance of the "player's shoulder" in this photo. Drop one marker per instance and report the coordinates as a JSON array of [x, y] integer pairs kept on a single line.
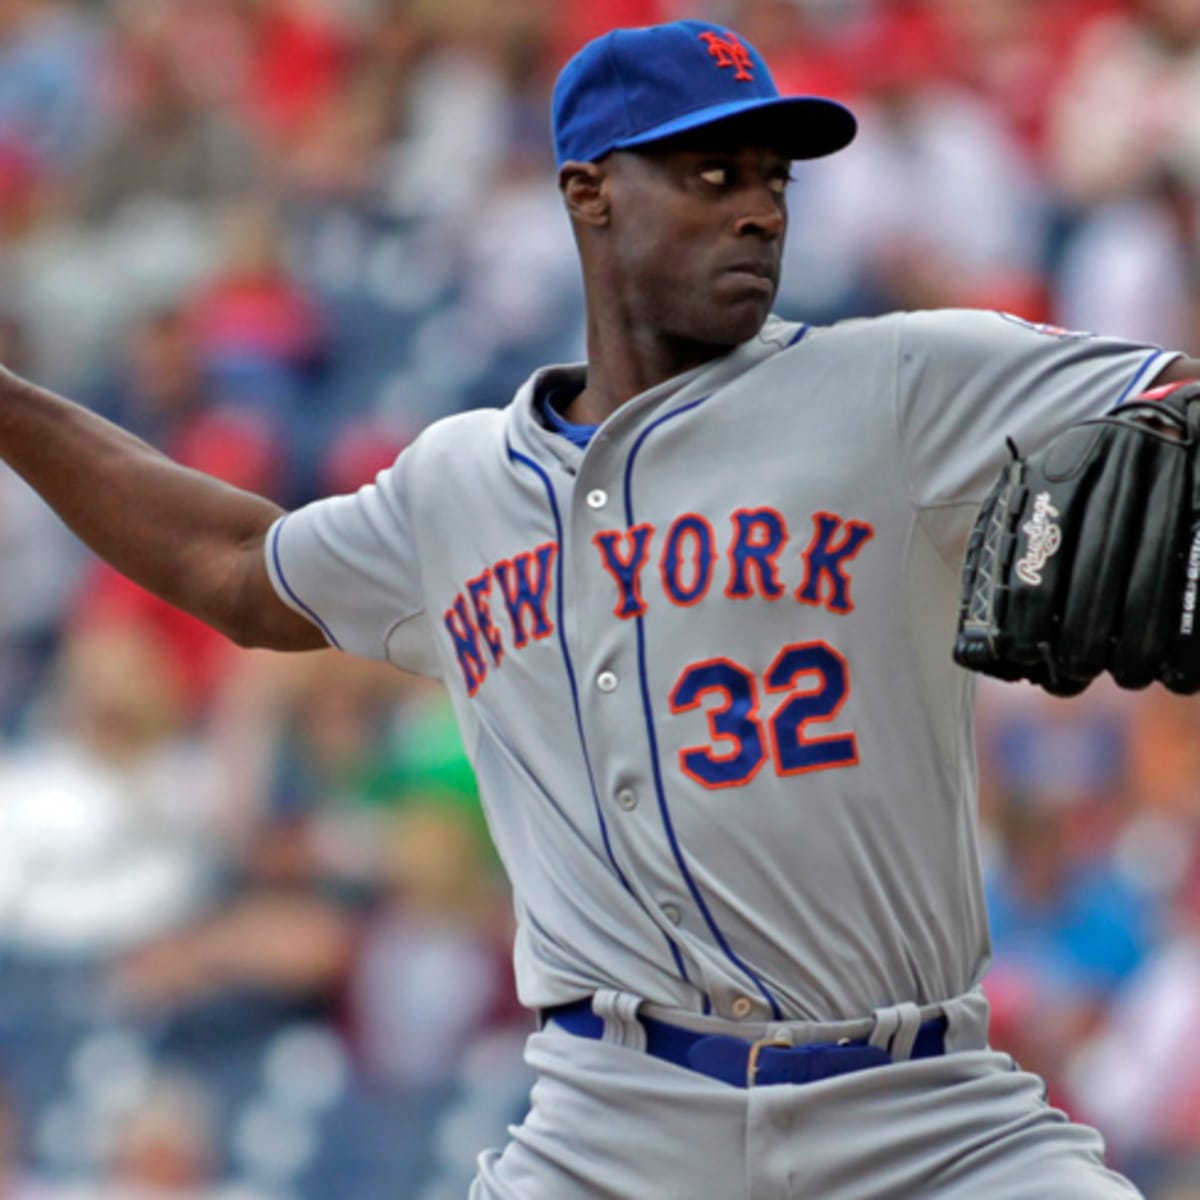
[[931, 324], [851, 328], [953, 332], [986, 318], [849, 336], [456, 426], [456, 438]]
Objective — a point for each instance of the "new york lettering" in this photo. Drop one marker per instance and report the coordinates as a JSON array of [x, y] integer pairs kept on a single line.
[[508, 605]]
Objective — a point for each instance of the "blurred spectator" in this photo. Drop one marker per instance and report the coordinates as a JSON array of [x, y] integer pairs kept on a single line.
[[1038, 748], [300, 52], [42, 561], [1130, 266], [358, 452], [165, 1148], [210, 45], [1152, 1114], [1141, 69], [22, 195], [1066, 931], [1128, 182], [256, 330], [160, 383], [50, 61], [16, 1181], [112, 819], [457, 108], [434, 970], [1164, 738], [326, 747], [961, 220], [166, 144], [338, 145], [357, 748], [1161, 839], [336, 157], [432, 759], [575, 24], [802, 60], [521, 287], [338, 766], [1011, 52], [284, 946]]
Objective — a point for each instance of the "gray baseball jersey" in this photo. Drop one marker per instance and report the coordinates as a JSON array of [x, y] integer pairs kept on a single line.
[[703, 667]]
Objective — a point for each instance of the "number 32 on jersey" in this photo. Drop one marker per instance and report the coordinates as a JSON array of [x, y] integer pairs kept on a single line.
[[812, 681]]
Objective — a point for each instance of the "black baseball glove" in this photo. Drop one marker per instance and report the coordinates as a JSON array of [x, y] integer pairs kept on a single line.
[[1085, 557]]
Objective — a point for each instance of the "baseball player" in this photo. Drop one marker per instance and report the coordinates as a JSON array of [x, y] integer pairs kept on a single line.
[[694, 602]]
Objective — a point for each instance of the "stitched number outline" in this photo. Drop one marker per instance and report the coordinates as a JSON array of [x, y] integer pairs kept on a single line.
[[793, 752], [732, 724], [814, 679]]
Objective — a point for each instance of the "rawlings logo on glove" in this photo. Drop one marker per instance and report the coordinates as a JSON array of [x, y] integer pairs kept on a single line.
[[1044, 539], [1085, 556]]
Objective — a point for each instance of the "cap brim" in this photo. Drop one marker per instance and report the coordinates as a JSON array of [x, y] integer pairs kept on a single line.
[[801, 126]]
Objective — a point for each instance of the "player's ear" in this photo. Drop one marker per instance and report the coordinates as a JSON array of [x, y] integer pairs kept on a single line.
[[583, 188]]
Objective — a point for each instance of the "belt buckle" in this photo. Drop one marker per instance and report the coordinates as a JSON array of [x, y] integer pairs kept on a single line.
[[756, 1048]]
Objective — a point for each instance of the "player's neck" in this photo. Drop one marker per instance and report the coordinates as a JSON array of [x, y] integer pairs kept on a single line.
[[622, 365]]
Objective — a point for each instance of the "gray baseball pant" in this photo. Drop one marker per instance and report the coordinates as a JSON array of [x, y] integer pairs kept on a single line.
[[610, 1122]]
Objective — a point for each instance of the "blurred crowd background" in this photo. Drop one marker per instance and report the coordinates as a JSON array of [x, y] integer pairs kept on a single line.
[[253, 939]]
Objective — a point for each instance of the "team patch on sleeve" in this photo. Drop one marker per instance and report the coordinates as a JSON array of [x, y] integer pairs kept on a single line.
[[1054, 331]]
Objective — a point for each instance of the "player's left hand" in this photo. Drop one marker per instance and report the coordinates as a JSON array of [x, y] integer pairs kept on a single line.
[[1085, 557]]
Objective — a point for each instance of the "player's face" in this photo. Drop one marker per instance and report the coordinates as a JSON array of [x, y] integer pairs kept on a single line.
[[698, 229]]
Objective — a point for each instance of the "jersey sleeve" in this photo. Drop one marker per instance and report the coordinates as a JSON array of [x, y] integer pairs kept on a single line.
[[968, 380], [350, 564]]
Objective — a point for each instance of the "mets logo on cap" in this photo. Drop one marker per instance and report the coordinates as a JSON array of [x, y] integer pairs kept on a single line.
[[729, 52]]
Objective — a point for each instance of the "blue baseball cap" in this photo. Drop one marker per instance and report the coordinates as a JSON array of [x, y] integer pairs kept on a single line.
[[635, 86]]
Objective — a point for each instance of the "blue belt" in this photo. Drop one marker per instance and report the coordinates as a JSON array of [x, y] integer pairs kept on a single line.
[[743, 1064]]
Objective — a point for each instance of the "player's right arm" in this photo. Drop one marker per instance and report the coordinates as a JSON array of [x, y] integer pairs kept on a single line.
[[185, 536]]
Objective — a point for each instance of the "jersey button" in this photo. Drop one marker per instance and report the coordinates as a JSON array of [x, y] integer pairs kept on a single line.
[[672, 913], [597, 498], [627, 799], [742, 1007], [606, 681]]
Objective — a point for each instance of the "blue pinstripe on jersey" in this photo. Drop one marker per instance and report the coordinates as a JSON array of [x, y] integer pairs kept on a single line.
[[517, 456], [648, 710], [1143, 377], [287, 587]]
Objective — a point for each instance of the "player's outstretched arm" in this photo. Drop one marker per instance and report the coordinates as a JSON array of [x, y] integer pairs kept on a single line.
[[1181, 370], [193, 540]]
